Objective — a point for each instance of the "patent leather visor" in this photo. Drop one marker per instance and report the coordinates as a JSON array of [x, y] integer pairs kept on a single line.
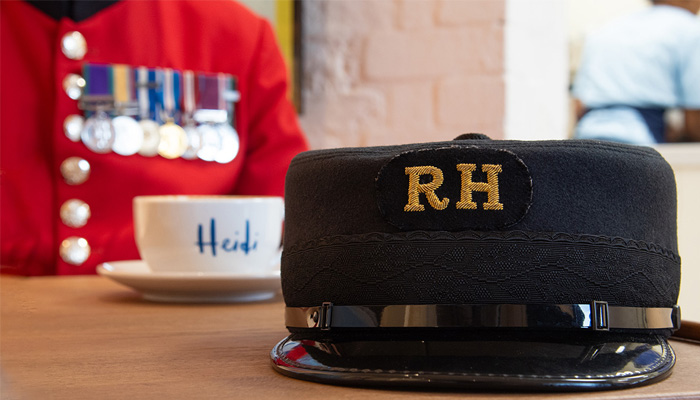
[[502, 347]]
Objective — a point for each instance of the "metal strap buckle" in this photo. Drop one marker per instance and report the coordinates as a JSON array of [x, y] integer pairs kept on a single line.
[[326, 311], [676, 317], [600, 320]]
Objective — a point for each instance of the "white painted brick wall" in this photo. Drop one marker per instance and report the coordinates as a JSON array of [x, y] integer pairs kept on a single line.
[[398, 71]]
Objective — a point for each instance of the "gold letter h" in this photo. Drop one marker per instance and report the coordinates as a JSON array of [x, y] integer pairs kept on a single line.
[[490, 186]]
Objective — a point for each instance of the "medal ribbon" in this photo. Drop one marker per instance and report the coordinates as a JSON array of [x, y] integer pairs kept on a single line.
[[189, 95], [208, 92], [170, 93], [222, 80], [231, 96], [145, 79], [155, 94], [122, 85], [97, 93], [98, 81]]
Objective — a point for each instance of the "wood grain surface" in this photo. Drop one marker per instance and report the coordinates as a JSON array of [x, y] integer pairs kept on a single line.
[[86, 337]]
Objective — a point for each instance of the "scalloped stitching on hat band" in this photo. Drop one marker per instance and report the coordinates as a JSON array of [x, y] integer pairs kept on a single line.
[[515, 235]]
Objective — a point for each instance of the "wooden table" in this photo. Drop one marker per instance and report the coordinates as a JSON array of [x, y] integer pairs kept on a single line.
[[89, 338]]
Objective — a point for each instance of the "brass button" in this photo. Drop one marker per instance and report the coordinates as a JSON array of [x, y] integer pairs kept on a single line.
[[75, 213], [73, 85], [73, 45], [75, 170], [74, 250], [72, 126]]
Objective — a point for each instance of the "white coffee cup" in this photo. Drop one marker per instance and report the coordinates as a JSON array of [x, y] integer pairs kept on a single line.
[[210, 234]]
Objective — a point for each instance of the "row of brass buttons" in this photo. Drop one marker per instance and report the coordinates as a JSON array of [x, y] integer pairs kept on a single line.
[[74, 213]]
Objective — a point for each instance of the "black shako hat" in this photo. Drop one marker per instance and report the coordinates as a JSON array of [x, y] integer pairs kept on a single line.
[[508, 265]]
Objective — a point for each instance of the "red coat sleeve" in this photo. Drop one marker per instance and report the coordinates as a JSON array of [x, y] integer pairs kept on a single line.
[[274, 133]]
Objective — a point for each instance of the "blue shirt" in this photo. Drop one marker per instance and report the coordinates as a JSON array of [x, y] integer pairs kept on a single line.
[[649, 59]]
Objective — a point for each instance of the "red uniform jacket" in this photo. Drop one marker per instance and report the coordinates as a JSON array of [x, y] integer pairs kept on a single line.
[[201, 36]]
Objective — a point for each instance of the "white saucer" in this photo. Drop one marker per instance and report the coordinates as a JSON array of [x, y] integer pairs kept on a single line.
[[183, 287]]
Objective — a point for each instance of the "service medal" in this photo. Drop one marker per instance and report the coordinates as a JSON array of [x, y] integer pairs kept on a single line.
[[211, 142], [229, 144], [151, 138], [173, 140], [98, 133], [194, 142], [129, 135]]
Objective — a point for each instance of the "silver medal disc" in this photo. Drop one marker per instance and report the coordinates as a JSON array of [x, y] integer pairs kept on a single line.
[[98, 133], [229, 144], [129, 135], [151, 138], [194, 142], [211, 142]]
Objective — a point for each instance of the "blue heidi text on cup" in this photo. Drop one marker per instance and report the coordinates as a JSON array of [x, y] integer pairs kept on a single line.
[[227, 244]]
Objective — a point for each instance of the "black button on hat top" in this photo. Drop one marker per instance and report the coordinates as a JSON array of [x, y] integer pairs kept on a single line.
[[472, 136]]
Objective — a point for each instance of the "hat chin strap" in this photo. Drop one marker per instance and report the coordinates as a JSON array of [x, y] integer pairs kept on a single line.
[[597, 316]]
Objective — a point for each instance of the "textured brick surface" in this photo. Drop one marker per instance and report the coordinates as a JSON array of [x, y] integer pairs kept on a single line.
[[352, 17], [411, 108], [432, 53], [473, 104], [460, 12], [416, 14], [397, 71]]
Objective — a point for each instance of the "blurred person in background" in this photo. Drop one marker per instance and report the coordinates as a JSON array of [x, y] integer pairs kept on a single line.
[[636, 68], [106, 100]]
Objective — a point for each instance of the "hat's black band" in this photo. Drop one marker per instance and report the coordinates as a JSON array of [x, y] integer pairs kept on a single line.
[[475, 267], [596, 316]]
